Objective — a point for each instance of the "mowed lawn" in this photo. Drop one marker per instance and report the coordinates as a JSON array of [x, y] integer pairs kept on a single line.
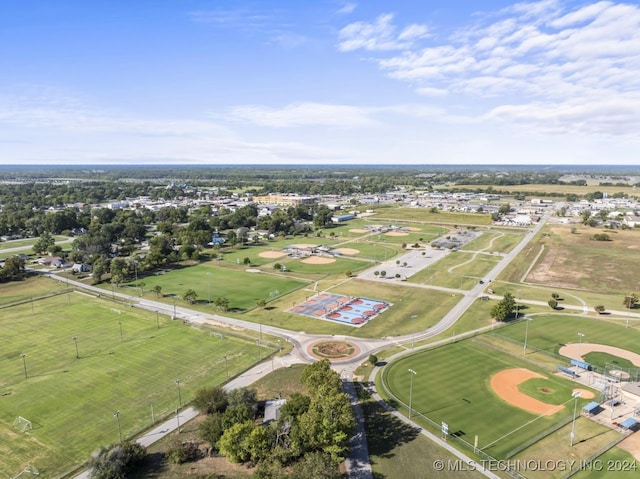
[[550, 332], [71, 401], [243, 289], [452, 384]]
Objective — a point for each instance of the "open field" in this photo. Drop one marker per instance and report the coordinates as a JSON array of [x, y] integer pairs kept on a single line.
[[231, 283], [128, 360], [452, 385], [495, 241], [560, 190], [395, 215], [616, 463], [457, 270], [575, 260], [27, 243], [33, 287]]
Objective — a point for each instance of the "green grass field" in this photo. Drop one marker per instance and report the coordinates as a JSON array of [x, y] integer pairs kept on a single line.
[[71, 401], [550, 332], [495, 241], [452, 385], [456, 270], [396, 215], [242, 288]]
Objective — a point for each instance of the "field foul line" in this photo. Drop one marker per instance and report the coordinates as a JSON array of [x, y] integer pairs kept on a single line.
[[523, 426]]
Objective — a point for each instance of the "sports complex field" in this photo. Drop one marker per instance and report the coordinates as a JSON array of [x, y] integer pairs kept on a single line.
[[453, 384], [128, 361]]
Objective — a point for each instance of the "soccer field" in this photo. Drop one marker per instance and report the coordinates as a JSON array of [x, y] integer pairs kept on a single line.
[[128, 361], [452, 385]]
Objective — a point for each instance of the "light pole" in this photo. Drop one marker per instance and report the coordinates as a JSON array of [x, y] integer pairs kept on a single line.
[[24, 364], [575, 395], [413, 373], [628, 308], [75, 340], [178, 419], [526, 334], [179, 393], [117, 416], [580, 335], [209, 280], [120, 324]]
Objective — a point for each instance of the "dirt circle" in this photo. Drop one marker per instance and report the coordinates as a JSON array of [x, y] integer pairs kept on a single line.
[[318, 260], [358, 230], [396, 233], [333, 350], [272, 254], [584, 393], [578, 350], [413, 228], [348, 251]]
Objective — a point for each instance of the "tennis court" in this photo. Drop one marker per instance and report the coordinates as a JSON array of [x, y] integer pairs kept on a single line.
[[354, 311]]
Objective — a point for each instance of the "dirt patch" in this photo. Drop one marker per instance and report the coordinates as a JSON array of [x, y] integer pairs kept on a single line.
[[333, 350], [572, 351], [272, 254], [347, 251], [585, 394], [396, 233], [413, 228], [318, 260], [505, 385], [358, 230]]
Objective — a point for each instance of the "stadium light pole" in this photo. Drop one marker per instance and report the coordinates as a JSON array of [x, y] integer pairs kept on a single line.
[[526, 334], [179, 393], [413, 373], [24, 364], [117, 416], [576, 395], [75, 340], [580, 335], [174, 308]]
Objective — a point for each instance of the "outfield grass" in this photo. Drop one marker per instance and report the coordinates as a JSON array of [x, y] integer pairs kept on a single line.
[[550, 332], [452, 385], [71, 401], [602, 359], [616, 463]]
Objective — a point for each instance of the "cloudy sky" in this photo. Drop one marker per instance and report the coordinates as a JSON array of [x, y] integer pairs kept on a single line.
[[323, 81]]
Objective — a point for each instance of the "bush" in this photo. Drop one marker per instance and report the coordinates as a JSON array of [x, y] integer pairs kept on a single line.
[[210, 400], [116, 461], [373, 359], [180, 452]]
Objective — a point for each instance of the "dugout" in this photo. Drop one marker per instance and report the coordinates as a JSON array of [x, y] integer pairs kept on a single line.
[[581, 364], [592, 408]]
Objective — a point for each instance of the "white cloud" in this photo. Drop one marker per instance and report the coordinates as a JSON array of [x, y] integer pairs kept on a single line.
[[543, 64], [304, 114], [379, 36], [348, 7]]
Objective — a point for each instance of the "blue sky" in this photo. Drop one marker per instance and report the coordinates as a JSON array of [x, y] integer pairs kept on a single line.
[[316, 82]]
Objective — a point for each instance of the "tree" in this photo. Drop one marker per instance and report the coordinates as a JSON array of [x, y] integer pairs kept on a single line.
[[44, 242], [190, 296], [320, 374], [553, 304], [599, 309], [209, 400], [211, 429], [261, 303], [297, 405], [247, 397], [373, 359], [630, 301], [246, 261], [504, 308], [116, 461], [180, 451], [13, 269], [504, 208], [555, 296], [316, 465], [234, 441], [158, 290], [222, 304]]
